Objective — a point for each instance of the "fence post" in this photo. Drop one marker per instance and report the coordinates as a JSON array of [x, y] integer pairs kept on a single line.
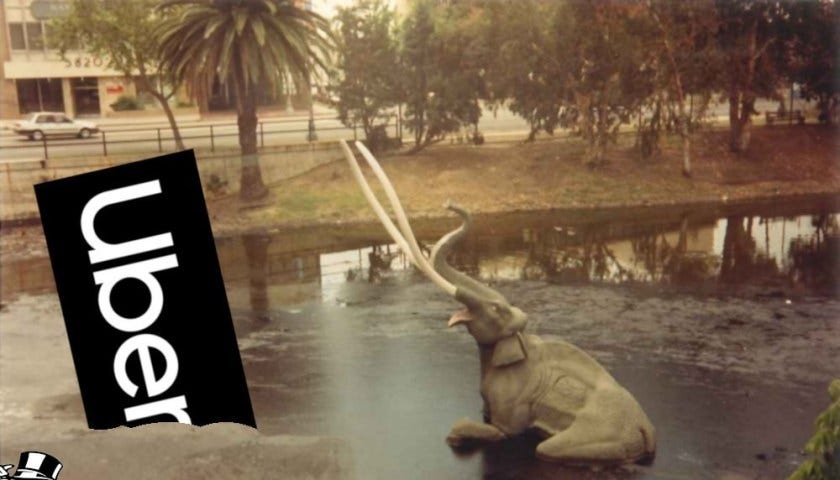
[[212, 140], [44, 141], [160, 143], [104, 145], [262, 136], [354, 131]]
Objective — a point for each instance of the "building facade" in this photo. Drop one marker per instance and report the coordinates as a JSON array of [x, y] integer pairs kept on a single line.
[[36, 78]]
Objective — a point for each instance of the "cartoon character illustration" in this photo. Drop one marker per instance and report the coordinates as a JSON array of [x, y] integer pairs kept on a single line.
[[33, 465]]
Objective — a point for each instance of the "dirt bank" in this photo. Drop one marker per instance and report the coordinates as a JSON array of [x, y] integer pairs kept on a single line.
[[549, 174]]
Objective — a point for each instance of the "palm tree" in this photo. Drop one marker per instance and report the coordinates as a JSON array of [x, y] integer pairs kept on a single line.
[[246, 44]]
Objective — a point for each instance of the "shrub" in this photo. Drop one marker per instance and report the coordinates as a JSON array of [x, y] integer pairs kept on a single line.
[[125, 102], [824, 446]]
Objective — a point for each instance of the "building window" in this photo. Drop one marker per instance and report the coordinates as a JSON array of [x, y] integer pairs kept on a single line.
[[40, 95], [35, 35], [16, 36], [31, 33]]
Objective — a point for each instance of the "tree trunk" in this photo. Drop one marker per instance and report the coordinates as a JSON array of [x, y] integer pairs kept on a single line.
[[532, 135], [423, 143], [251, 186], [146, 86], [202, 102], [684, 131], [740, 124], [420, 114], [686, 146], [176, 132], [742, 98], [684, 118]]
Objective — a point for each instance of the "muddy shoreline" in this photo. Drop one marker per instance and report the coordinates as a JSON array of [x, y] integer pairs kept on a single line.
[[438, 221]]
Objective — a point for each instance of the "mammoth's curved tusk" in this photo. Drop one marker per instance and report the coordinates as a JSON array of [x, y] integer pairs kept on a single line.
[[402, 220], [407, 245], [399, 212], [374, 203]]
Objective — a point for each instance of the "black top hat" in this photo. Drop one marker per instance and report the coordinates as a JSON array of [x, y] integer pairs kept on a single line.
[[37, 465]]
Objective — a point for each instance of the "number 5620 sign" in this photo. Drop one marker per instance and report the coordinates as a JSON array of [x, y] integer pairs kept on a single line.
[[84, 62]]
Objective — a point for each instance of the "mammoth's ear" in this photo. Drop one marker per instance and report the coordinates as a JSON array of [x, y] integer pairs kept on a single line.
[[509, 350]]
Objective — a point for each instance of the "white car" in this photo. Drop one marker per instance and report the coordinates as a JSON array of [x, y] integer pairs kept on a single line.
[[38, 125]]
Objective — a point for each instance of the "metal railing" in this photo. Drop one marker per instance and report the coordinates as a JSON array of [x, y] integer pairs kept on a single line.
[[161, 139]]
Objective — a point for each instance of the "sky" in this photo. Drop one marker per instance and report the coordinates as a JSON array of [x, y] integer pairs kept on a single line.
[[327, 8]]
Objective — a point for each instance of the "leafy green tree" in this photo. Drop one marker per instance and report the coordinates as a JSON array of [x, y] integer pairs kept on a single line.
[[824, 446], [441, 73], [602, 60], [247, 45], [522, 72], [571, 64], [367, 80], [752, 39], [122, 33], [418, 67], [812, 56], [680, 40]]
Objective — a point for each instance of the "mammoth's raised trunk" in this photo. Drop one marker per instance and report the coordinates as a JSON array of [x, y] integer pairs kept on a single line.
[[468, 291]]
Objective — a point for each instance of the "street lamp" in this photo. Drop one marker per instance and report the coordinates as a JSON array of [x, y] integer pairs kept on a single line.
[[311, 135]]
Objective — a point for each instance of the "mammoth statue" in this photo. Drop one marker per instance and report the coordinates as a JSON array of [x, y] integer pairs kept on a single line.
[[554, 389]]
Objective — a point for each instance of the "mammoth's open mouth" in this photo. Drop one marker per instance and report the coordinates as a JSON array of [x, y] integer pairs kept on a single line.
[[460, 316]]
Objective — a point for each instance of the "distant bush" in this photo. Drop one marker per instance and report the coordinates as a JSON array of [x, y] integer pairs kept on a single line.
[[125, 102], [215, 185], [478, 138], [378, 140]]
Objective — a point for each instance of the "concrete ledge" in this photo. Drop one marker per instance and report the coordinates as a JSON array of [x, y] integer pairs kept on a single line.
[[175, 451]]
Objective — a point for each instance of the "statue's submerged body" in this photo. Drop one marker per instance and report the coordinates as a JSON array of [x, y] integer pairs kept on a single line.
[[567, 397], [553, 388]]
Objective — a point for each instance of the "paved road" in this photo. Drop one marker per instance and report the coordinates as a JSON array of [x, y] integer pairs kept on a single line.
[[142, 138]]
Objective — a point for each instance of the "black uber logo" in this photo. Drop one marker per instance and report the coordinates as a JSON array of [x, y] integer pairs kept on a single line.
[[142, 295]]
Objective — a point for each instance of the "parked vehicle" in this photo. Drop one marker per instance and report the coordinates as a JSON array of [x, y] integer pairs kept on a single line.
[[38, 125]]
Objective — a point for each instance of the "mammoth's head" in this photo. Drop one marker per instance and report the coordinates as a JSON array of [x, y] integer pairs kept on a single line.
[[488, 316]]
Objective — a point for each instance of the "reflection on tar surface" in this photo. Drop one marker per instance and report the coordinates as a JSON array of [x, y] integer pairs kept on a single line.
[[798, 253]]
